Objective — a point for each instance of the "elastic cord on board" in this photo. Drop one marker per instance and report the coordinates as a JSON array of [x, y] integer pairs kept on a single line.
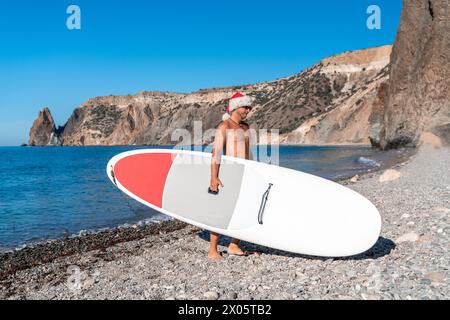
[[127, 201]]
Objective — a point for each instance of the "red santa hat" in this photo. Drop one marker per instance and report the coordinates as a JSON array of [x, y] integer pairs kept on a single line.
[[238, 100]]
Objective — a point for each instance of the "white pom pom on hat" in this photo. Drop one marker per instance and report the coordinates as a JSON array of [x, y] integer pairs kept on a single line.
[[238, 100]]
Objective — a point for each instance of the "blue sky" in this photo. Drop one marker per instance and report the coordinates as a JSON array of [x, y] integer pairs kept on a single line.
[[124, 47]]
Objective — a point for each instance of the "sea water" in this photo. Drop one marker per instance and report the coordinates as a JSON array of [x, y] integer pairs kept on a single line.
[[55, 192]]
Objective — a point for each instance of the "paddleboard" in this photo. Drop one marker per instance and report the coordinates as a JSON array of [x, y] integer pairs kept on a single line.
[[260, 203]]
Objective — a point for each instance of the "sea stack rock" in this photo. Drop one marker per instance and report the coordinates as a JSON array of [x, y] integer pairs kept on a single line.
[[44, 132], [418, 97]]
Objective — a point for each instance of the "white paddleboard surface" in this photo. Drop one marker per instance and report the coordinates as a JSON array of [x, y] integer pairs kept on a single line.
[[299, 213]]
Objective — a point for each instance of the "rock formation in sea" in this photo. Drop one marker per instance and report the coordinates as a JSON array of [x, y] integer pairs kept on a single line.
[[44, 132], [329, 103], [417, 96]]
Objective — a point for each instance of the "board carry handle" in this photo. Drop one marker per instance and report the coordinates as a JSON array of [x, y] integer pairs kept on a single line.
[[213, 192], [113, 176], [262, 207]]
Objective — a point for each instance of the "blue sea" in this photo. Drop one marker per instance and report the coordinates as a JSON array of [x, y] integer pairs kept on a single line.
[[55, 192]]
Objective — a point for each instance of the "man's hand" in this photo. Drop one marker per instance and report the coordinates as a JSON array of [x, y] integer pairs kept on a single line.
[[214, 184]]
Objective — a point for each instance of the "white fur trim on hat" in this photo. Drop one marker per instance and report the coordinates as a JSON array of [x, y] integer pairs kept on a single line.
[[238, 100], [244, 101]]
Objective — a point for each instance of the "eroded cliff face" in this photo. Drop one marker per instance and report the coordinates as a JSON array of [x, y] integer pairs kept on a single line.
[[146, 118], [44, 132], [418, 96], [356, 77], [329, 103]]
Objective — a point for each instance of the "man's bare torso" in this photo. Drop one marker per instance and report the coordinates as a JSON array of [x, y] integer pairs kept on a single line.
[[237, 140]]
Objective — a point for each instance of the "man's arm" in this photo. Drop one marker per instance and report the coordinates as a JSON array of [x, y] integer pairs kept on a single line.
[[218, 147]]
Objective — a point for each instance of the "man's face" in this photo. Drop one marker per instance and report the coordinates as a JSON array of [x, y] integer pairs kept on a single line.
[[243, 112]]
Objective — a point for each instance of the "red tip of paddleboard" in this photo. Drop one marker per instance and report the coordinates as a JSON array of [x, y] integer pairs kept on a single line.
[[145, 175]]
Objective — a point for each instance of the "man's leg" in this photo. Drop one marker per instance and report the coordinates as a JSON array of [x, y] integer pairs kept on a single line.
[[213, 253], [233, 248]]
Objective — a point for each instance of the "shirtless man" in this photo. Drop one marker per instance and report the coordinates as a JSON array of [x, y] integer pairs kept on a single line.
[[232, 137]]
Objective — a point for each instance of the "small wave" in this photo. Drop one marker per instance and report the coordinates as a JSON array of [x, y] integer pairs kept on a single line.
[[144, 222], [152, 220], [367, 161]]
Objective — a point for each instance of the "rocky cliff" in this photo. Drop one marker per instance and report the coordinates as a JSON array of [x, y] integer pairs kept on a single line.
[[417, 98], [44, 132], [352, 81], [329, 103]]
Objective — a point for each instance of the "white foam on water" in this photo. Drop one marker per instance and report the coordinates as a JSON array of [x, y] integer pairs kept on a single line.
[[367, 161]]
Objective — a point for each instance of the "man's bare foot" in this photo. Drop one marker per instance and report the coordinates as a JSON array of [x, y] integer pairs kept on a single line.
[[215, 255], [233, 249]]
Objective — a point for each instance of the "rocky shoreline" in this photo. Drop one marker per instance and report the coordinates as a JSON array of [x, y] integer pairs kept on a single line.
[[168, 260]]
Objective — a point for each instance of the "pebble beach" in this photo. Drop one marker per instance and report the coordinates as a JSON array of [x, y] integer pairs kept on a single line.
[[168, 260]]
